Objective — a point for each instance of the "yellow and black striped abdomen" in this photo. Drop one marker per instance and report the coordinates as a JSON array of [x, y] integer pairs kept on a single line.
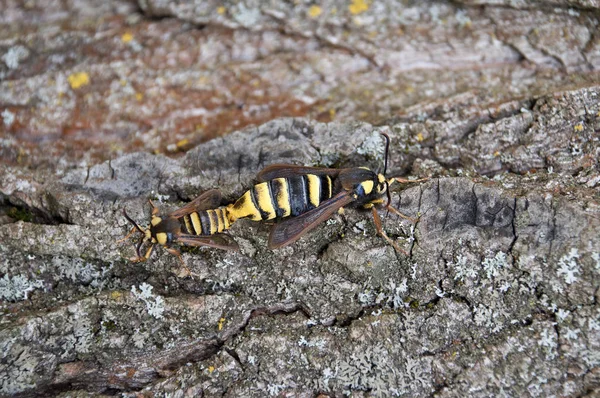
[[281, 197], [207, 222]]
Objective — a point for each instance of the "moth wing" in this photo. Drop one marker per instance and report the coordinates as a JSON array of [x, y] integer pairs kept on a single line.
[[291, 170], [210, 199], [218, 241], [290, 230]]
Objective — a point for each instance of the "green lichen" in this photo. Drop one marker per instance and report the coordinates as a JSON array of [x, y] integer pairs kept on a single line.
[[20, 214]]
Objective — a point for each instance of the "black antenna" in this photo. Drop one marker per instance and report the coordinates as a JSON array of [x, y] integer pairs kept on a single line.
[[389, 195], [138, 247], [133, 222], [387, 149]]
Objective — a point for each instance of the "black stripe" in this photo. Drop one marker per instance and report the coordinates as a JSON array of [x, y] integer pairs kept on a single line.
[[220, 217], [298, 200], [272, 197], [325, 188], [275, 187], [213, 219], [183, 225], [263, 214], [204, 222]]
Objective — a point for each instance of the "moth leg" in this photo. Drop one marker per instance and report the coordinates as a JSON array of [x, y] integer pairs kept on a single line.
[[382, 233], [178, 254], [145, 256], [154, 208], [141, 259], [406, 181], [400, 214], [127, 236]]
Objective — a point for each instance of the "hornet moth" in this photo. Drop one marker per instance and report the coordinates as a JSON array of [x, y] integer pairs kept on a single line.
[[198, 223], [310, 195]]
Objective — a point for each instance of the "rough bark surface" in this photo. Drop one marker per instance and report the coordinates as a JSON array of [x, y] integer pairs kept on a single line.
[[497, 101]]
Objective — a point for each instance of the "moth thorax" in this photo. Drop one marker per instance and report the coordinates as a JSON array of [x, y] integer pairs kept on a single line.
[[162, 238], [367, 186]]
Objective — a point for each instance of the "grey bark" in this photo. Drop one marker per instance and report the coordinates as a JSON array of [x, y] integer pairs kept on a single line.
[[499, 293]]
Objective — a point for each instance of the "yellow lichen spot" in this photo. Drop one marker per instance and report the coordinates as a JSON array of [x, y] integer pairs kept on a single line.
[[220, 324], [332, 113], [116, 295], [182, 143], [221, 10], [139, 96], [420, 137], [79, 79], [334, 11], [358, 7], [211, 369], [410, 89], [579, 127], [314, 11], [123, 82], [126, 37], [497, 153]]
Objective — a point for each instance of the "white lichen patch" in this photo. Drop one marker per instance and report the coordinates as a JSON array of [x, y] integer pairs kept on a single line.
[[8, 118], [316, 343], [493, 266], [391, 295], [548, 342], [20, 375], [378, 371], [596, 258], [373, 146], [18, 287], [154, 303], [463, 268], [14, 56], [568, 266]]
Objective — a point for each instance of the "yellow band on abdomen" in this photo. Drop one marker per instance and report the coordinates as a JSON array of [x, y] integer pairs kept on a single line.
[[264, 201]]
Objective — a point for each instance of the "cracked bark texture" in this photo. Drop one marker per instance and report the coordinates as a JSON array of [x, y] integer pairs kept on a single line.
[[496, 101]]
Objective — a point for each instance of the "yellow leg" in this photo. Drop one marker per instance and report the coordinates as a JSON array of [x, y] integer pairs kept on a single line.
[[144, 258], [406, 181], [154, 208], [177, 253], [398, 213], [382, 233], [127, 236]]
